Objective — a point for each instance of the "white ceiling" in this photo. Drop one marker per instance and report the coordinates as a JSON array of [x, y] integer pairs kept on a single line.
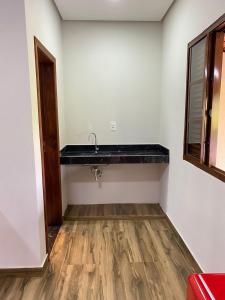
[[113, 10]]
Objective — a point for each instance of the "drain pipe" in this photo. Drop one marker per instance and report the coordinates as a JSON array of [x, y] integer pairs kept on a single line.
[[97, 173]]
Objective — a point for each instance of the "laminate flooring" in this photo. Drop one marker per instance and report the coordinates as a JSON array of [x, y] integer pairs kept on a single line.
[[52, 234], [113, 211], [109, 260]]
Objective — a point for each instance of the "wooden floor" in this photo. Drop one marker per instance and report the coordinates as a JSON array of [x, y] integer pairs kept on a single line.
[[52, 234], [118, 259], [113, 211]]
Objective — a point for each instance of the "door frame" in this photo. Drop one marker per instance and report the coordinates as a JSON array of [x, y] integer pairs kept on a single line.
[[40, 48]]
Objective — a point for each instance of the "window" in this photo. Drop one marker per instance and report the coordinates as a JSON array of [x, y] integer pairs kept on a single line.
[[204, 138]]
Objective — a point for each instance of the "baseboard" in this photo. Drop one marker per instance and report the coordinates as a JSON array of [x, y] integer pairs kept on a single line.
[[24, 272], [122, 217], [183, 245]]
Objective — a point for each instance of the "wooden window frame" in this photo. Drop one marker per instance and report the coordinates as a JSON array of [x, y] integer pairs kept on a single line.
[[204, 163]]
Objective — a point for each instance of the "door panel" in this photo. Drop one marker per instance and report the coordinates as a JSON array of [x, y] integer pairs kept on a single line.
[[50, 142]]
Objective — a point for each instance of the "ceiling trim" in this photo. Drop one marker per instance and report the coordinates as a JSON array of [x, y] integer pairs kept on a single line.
[[119, 10]]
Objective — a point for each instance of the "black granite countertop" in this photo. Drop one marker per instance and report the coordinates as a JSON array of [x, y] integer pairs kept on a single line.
[[114, 154]]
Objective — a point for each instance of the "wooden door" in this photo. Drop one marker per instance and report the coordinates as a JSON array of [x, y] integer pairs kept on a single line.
[[49, 134]]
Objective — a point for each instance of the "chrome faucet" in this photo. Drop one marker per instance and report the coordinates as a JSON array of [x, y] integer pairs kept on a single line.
[[92, 134]]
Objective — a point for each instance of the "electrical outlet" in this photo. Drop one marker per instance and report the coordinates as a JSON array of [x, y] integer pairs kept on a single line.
[[113, 126]]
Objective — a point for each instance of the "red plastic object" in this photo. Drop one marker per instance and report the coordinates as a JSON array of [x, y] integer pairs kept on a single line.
[[206, 287]]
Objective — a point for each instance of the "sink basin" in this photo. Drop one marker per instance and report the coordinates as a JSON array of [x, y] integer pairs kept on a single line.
[[114, 154]]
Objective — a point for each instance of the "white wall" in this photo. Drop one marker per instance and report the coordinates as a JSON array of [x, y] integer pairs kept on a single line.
[[20, 235], [119, 184], [112, 73], [194, 200], [44, 22]]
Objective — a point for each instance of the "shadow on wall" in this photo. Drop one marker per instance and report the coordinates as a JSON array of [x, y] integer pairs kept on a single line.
[[164, 185], [119, 184], [11, 240], [116, 173], [64, 189]]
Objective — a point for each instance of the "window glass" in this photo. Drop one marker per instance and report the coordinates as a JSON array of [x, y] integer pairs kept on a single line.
[[218, 131], [198, 61], [196, 94]]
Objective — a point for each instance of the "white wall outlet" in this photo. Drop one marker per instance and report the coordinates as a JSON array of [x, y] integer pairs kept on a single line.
[[113, 126]]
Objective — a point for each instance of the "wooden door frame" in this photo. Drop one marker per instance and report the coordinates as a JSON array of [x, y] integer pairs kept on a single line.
[[40, 48]]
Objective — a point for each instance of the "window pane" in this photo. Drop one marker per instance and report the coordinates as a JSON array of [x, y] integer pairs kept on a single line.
[[219, 104], [198, 61], [196, 101], [195, 114], [196, 94]]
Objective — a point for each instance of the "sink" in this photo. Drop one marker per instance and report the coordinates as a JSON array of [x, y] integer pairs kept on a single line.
[[114, 154]]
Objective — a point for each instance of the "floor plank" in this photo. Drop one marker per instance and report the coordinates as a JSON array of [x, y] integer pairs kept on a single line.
[[109, 260], [113, 211]]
